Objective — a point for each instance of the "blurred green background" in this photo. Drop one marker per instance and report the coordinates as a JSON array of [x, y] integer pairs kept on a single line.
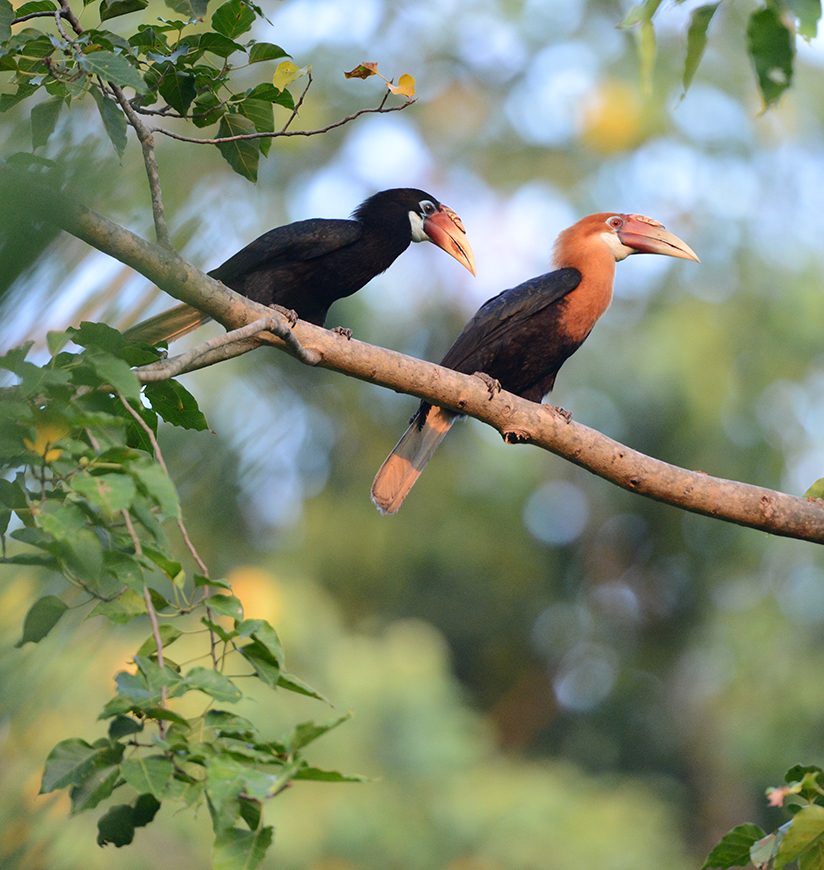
[[545, 671]]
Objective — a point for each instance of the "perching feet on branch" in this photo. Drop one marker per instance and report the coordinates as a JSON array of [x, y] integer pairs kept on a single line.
[[493, 385], [344, 331]]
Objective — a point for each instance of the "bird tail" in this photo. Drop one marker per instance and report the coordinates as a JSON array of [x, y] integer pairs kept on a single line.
[[408, 459], [168, 325]]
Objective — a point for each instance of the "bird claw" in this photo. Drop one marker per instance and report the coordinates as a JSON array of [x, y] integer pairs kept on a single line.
[[289, 313], [493, 385], [567, 415], [344, 331], [516, 436]]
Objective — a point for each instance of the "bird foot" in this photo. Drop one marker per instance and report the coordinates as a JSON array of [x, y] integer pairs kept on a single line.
[[517, 436], [493, 385], [344, 331], [289, 313], [567, 415]]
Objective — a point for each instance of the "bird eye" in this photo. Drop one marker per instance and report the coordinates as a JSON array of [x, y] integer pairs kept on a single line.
[[427, 207], [615, 222]]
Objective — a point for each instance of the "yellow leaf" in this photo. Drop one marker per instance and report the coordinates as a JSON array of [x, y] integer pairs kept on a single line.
[[362, 71], [405, 86], [286, 72], [45, 434]]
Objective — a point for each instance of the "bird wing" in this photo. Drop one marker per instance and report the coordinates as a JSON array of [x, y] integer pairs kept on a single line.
[[504, 315], [300, 241]]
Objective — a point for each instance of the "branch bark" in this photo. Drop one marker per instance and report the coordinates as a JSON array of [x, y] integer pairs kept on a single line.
[[515, 418]]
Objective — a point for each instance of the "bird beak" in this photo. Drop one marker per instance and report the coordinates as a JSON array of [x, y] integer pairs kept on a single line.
[[646, 236], [444, 228]]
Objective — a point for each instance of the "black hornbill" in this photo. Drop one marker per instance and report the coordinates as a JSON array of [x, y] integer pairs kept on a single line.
[[307, 265], [522, 337]]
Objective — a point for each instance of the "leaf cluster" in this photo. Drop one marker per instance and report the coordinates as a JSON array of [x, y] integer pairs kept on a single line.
[[84, 492], [176, 68], [772, 28], [799, 842]]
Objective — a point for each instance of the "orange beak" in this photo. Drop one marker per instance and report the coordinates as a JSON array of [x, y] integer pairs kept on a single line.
[[444, 228], [645, 236]]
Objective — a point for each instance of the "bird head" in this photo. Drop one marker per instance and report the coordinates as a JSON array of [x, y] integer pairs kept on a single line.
[[429, 220], [623, 234]]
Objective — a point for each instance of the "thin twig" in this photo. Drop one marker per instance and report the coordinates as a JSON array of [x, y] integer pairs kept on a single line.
[[146, 138], [298, 104], [150, 610], [219, 140], [185, 362], [22, 18]]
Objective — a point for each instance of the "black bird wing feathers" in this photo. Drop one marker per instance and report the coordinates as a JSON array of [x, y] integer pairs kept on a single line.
[[499, 334], [296, 242]]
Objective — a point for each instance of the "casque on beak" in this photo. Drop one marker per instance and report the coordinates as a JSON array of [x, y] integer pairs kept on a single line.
[[444, 228], [646, 236]]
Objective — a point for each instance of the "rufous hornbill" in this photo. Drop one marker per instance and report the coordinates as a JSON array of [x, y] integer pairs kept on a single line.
[[307, 265], [522, 337]]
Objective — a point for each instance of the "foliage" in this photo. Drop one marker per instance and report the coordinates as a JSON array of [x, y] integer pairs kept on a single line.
[[86, 492], [771, 32], [178, 68], [800, 840]]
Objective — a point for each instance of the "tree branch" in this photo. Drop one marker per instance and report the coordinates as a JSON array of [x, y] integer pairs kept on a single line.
[[515, 418], [219, 140]]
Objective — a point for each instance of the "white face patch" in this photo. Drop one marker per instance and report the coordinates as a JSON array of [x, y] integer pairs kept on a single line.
[[416, 223], [619, 250]]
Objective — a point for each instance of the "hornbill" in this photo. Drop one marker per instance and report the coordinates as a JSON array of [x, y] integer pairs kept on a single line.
[[519, 339], [307, 265]]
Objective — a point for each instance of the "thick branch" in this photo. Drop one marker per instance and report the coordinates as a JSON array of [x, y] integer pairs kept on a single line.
[[742, 503]]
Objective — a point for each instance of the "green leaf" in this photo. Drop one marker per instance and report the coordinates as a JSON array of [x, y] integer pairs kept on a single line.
[[212, 683], [697, 40], [733, 849], [229, 724], [806, 827], [43, 121], [114, 121], [771, 48], [307, 732], [94, 789], [35, 6], [271, 94], [261, 51], [251, 811], [6, 17], [148, 774], [122, 726], [168, 566], [236, 849], [808, 13], [816, 490], [73, 760], [168, 635], [122, 609], [83, 554], [145, 809], [112, 68], [292, 684], [640, 12], [315, 774], [176, 405], [262, 115], [99, 335], [266, 668], [261, 631], [233, 18], [177, 87], [41, 619], [226, 605], [114, 8], [218, 44], [57, 340], [762, 852], [111, 493], [116, 826], [189, 8], [242, 155], [114, 371], [813, 858]]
